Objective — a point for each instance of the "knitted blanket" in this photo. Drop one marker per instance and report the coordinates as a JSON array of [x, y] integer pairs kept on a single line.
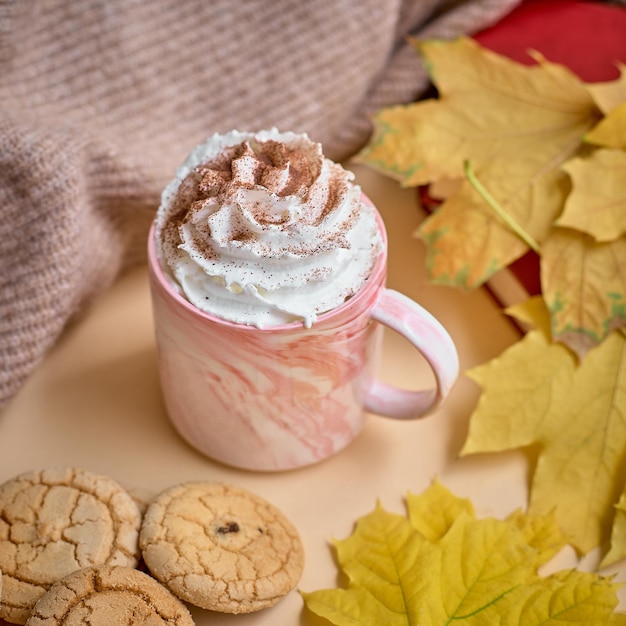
[[101, 100]]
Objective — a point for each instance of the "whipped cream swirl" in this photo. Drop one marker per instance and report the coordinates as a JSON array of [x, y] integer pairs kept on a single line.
[[262, 229]]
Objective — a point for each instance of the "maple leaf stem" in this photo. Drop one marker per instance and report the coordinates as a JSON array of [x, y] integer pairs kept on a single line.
[[493, 203]]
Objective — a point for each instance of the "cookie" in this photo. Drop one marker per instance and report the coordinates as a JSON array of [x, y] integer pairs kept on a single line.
[[221, 547], [55, 521], [106, 595]]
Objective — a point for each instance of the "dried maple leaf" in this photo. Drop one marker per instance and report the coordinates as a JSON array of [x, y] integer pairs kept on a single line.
[[536, 394], [433, 522], [610, 131], [467, 242], [433, 569], [618, 534], [597, 202], [584, 285], [515, 124], [609, 95]]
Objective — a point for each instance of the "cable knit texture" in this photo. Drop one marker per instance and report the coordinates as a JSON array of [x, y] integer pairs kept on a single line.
[[101, 100]]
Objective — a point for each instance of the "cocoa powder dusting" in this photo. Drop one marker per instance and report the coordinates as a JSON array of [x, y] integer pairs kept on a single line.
[[297, 171], [282, 169]]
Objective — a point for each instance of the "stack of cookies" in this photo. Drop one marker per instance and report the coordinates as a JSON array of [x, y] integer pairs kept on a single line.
[[73, 545]]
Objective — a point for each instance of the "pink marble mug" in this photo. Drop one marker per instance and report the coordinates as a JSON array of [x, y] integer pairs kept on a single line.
[[288, 396]]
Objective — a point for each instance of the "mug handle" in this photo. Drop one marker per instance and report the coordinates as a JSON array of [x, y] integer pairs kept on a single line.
[[409, 319]]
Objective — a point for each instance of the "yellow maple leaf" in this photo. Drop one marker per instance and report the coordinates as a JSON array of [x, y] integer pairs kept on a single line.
[[610, 131], [470, 572], [610, 94], [433, 522], [467, 242], [579, 469], [618, 534], [597, 202], [540, 532], [517, 393], [533, 312], [535, 394], [515, 124], [584, 285]]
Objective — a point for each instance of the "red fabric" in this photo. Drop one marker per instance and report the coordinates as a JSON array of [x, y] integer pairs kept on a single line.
[[587, 37]]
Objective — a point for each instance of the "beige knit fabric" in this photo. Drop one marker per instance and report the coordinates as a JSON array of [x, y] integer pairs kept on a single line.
[[100, 101]]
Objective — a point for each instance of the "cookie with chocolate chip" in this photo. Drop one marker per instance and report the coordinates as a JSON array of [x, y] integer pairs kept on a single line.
[[221, 547], [106, 595], [56, 521]]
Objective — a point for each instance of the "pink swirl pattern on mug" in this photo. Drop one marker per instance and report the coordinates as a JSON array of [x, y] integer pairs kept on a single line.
[[265, 399]]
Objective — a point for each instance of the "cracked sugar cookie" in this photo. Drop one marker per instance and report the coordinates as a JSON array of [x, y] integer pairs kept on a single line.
[[221, 547], [55, 521], [106, 595]]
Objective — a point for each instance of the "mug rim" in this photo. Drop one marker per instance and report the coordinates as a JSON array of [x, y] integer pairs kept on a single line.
[[170, 288]]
